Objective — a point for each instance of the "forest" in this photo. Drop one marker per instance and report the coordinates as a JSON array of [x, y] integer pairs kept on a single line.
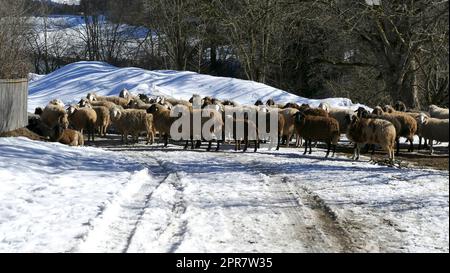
[[370, 51]]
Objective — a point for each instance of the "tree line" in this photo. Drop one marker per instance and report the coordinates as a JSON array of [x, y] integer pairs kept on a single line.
[[371, 51]]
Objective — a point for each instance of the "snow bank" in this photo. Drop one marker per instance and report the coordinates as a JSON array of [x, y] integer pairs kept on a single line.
[[51, 192], [74, 81]]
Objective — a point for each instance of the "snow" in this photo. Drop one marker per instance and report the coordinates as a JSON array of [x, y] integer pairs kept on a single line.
[[146, 199], [49, 192], [74, 81]]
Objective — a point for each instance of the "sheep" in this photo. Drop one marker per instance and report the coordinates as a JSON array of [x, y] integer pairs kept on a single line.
[[363, 131], [214, 118], [289, 124], [259, 103], [408, 125], [250, 132], [270, 103], [38, 111], [133, 122], [400, 106], [433, 129], [53, 115], [280, 124], [438, 112], [363, 113], [339, 114], [144, 98], [83, 119], [162, 121], [67, 136], [317, 128], [116, 100], [37, 126], [57, 102], [125, 94], [138, 104], [175, 102], [103, 119], [110, 105]]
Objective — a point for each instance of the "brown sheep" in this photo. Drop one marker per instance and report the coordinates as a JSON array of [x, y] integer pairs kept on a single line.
[[68, 137], [317, 128], [54, 115], [134, 122], [83, 119], [363, 131], [162, 121], [408, 125]]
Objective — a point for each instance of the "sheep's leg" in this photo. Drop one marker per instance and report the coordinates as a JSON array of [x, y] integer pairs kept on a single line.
[[306, 147], [166, 140], [411, 146], [334, 150], [354, 152], [329, 149], [310, 147], [246, 145], [398, 146], [256, 146], [358, 151], [218, 146], [373, 150], [187, 145], [431, 146], [209, 146]]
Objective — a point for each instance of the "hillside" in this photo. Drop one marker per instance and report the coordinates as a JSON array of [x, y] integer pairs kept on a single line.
[[74, 81]]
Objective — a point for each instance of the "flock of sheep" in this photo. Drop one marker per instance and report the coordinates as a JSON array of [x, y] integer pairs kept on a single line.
[[134, 115]]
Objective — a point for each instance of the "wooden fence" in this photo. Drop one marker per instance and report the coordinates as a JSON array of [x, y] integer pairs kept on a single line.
[[13, 104]]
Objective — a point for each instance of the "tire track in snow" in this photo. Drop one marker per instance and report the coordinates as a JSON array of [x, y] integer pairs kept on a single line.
[[166, 234], [116, 224], [315, 222], [323, 229]]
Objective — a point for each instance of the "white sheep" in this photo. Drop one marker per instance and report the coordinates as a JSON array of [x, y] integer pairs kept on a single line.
[[438, 112], [433, 129]]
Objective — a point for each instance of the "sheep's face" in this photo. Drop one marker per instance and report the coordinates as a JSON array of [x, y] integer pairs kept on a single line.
[[299, 117], [423, 119], [388, 109], [83, 103], [400, 106], [115, 113], [57, 103], [71, 110], [91, 97], [259, 103], [124, 94], [325, 106], [153, 109], [38, 111], [378, 111], [270, 102], [361, 112]]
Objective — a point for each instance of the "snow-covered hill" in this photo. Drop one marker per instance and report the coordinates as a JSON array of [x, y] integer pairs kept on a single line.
[[74, 81]]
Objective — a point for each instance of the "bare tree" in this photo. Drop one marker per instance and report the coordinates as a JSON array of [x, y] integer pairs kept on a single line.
[[13, 27]]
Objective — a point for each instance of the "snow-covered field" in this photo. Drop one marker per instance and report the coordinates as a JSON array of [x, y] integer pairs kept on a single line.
[[147, 199]]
